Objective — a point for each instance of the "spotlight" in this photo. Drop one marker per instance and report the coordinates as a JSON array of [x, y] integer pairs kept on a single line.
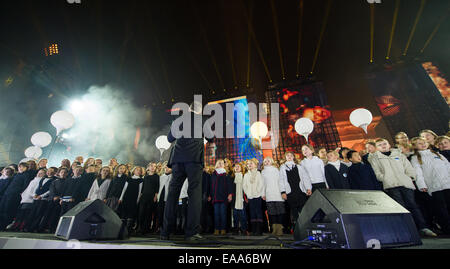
[[76, 106], [65, 136]]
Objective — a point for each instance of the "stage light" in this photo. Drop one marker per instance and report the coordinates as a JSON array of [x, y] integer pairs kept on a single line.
[[65, 136], [76, 106]]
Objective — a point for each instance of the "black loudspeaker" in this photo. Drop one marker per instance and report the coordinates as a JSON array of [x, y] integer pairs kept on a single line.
[[350, 219], [91, 220]]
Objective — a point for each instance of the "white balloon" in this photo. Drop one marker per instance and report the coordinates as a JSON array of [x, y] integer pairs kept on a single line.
[[361, 118], [205, 141], [162, 143], [41, 139], [33, 152], [304, 127], [259, 130], [62, 120]]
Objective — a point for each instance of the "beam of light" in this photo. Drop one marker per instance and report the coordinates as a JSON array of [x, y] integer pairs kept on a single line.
[[413, 30], [199, 69], [229, 45], [372, 30], [208, 47], [163, 66], [436, 28], [37, 25], [147, 70], [277, 35], [128, 36], [300, 18], [137, 138], [249, 45], [394, 24], [258, 47], [322, 31]]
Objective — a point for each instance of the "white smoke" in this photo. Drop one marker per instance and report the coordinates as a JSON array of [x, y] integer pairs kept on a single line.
[[106, 124]]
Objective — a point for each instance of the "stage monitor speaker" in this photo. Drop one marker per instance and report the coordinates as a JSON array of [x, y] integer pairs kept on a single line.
[[91, 220], [351, 219]]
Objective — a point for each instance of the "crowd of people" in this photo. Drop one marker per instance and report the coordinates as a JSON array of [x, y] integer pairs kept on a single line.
[[246, 197]]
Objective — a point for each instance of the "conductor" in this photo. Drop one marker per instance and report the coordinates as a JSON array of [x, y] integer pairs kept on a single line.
[[187, 161]]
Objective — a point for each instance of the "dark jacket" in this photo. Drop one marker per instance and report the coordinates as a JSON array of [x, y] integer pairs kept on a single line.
[[337, 179], [43, 188], [446, 154], [362, 177], [57, 188], [116, 187], [4, 183], [221, 187], [187, 150], [150, 187], [18, 184], [85, 186], [206, 185], [71, 186]]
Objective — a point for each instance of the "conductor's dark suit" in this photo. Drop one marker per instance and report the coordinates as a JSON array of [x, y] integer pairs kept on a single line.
[[187, 161]]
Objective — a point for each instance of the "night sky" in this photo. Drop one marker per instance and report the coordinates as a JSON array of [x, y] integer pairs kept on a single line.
[[157, 51]]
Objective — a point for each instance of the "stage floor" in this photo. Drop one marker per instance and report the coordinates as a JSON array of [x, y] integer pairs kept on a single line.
[[10, 240]]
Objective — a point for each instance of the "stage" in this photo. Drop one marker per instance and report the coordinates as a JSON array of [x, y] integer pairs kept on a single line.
[[11, 240]]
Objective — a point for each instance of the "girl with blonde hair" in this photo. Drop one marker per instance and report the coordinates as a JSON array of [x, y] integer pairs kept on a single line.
[[254, 188], [274, 201]]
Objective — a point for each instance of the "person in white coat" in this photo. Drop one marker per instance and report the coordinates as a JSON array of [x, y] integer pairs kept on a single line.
[[295, 185], [274, 201], [100, 186], [255, 190], [164, 182], [26, 203], [433, 170], [314, 167], [396, 173]]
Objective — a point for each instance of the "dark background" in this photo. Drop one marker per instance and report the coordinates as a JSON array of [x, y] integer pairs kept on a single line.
[[160, 52]]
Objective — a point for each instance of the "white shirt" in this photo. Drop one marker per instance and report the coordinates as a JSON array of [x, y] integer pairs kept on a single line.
[[184, 189], [336, 164], [164, 181], [315, 169], [254, 189], [239, 199], [271, 177], [28, 193], [99, 192]]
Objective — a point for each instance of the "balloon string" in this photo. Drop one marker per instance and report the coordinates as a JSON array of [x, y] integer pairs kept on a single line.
[[51, 149]]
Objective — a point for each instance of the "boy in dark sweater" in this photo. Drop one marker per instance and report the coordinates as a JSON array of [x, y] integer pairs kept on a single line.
[[336, 172], [361, 175], [41, 201], [85, 184], [51, 217], [11, 198], [5, 180], [70, 189]]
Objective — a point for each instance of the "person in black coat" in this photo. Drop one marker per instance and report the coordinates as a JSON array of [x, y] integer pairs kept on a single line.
[[149, 198], [207, 214], [51, 216], [361, 175], [336, 173], [5, 180], [443, 142], [11, 198], [115, 189], [186, 160], [41, 201], [87, 179], [130, 198], [70, 189]]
